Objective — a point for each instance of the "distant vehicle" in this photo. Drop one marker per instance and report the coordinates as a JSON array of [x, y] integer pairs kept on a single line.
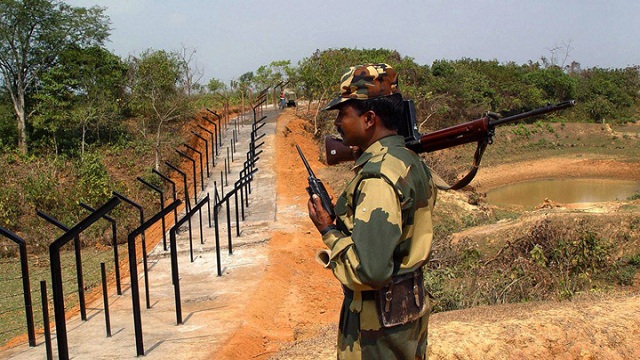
[[290, 97]]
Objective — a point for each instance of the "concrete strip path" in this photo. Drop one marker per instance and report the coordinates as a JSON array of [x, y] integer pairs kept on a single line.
[[206, 324]]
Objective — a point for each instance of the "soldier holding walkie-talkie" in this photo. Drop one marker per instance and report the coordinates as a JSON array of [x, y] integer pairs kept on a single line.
[[383, 228], [382, 233]]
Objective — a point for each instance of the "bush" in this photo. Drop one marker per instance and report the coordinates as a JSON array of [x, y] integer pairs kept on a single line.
[[9, 206], [635, 196], [635, 260], [625, 275], [93, 179], [552, 259], [39, 189]]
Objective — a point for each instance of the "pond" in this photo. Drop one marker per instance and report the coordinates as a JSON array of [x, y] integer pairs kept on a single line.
[[565, 191]]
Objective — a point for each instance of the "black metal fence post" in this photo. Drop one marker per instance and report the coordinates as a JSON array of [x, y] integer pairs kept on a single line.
[[195, 182], [45, 319], [214, 146], [184, 181], [219, 123], [218, 139], [78, 261], [229, 223], [222, 183], [175, 276], [217, 236], [144, 244], [256, 109], [233, 147], [186, 198], [133, 273], [105, 299], [201, 166], [159, 191], [56, 272], [237, 216], [114, 241], [252, 163], [173, 186], [206, 149], [26, 285]]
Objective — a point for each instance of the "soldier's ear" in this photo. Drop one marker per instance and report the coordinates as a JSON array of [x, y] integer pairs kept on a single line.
[[370, 118]]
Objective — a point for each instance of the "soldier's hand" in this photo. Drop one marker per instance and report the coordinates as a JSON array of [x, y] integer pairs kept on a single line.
[[318, 214]]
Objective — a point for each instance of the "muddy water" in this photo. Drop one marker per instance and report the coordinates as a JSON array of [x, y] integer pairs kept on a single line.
[[533, 193]]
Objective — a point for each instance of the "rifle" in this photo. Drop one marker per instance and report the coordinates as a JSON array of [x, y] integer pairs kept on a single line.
[[316, 187], [480, 130]]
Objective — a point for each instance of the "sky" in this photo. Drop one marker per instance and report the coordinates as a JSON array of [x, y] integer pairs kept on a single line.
[[233, 37]]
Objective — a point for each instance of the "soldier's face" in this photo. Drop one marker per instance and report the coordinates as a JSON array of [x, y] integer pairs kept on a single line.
[[351, 126]]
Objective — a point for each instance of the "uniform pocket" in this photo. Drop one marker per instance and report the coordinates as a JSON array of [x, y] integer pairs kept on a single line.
[[403, 300]]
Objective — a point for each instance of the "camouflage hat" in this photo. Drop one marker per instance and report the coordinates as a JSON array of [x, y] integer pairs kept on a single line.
[[364, 82]]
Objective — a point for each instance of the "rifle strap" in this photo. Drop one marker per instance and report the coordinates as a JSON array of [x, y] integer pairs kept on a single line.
[[477, 157]]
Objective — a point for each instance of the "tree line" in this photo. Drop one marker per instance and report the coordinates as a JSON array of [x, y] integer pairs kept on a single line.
[[63, 90], [448, 92]]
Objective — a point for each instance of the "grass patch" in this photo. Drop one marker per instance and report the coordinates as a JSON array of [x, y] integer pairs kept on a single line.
[[552, 259], [12, 316]]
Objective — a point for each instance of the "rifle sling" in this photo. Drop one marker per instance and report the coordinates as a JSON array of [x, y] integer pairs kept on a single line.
[[477, 157]]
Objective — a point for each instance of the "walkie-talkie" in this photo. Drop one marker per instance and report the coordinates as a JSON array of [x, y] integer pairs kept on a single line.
[[316, 187]]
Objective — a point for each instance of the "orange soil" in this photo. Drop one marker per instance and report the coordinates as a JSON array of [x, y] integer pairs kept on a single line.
[[296, 296]]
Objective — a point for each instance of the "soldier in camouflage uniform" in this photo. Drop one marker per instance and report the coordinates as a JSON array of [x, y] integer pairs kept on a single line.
[[383, 230]]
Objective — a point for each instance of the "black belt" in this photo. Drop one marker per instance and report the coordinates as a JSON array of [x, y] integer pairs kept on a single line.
[[366, 295]]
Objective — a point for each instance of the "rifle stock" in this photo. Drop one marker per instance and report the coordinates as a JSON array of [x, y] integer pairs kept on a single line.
[[479, 130]]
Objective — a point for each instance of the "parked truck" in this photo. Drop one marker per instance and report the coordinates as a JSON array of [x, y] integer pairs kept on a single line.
[[290, 97]]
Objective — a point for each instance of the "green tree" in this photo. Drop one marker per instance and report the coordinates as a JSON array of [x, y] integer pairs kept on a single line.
[[270, 75], [84, 90], [8, 133], [215, 85], [245, 87], [246, 80], [554, 82], [32, 35], [157, 91], [318, 74], [263, 77], [609, 93]]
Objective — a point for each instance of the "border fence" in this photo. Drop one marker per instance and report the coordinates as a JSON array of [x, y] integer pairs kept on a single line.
[[80, 265]]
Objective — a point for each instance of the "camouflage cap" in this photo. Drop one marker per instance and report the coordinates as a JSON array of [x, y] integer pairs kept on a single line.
[[364, 82]]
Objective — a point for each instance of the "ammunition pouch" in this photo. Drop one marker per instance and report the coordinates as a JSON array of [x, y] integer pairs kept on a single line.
[[403, 300]]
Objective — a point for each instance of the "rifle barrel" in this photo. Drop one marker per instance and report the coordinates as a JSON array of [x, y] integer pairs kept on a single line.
[[534, 112]]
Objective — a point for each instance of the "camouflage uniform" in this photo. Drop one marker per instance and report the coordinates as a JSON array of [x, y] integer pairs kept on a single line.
[[383, 230], [388, 232]]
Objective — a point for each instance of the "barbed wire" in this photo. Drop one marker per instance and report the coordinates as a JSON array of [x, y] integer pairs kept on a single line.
[[11, 279], [12, 331], [12, 295], [6, 311]]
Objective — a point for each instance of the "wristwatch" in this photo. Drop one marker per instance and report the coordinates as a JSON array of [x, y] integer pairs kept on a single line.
[[327, 229]]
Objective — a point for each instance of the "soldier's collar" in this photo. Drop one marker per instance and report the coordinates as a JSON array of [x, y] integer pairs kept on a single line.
[[377, 148]]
